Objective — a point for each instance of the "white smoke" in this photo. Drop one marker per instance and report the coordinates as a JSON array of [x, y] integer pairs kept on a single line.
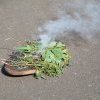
[[86, 23]]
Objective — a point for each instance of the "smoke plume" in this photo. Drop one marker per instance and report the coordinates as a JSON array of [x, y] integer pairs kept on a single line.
[[84, 19]]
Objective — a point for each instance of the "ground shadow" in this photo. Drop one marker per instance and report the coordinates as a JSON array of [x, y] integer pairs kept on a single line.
[[3, 71]]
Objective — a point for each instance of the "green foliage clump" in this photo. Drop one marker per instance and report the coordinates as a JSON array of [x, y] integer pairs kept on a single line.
[[51, 61]]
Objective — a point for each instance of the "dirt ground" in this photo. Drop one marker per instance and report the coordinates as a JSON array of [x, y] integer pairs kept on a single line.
[[19, 21]]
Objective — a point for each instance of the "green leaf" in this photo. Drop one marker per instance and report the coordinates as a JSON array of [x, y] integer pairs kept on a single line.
[[48, 53], [59, 44], [52, 44], [26, 48]]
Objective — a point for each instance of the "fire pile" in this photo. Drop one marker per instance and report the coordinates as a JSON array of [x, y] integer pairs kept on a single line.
[[27, 59]]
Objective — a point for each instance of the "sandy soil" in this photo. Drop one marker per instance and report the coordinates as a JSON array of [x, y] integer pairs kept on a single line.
[[19, 21]]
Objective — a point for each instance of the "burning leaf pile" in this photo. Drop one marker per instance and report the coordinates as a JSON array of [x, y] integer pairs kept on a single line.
[[49, 61]]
